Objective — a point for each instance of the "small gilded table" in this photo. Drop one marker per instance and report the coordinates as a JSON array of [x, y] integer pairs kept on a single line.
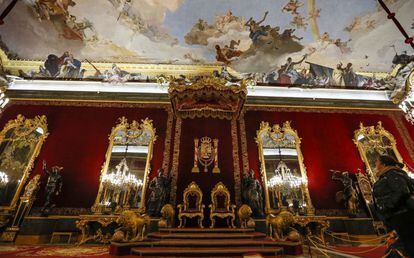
[[96, 228]]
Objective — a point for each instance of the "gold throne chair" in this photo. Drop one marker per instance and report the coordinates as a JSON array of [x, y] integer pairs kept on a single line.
[[192, 206], [220, 206]]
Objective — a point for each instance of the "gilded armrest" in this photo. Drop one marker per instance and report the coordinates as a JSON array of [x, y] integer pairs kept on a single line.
[[180, 208]]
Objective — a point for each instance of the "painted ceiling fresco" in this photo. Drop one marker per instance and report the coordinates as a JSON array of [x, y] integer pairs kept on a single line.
[[250, 36]]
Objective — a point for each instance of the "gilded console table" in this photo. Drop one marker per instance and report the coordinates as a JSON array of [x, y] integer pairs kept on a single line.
[[96, 228]]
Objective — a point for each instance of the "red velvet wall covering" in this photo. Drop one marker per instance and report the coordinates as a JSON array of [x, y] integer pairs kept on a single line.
[[197, 128], [78, 140], [327, 143]]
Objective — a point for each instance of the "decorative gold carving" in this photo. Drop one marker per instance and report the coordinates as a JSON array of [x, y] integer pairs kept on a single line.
[[22, 131], [192, 206], [31, 188], [278, 136], [221, 206], [167, 216], [373, 141], [207, 97], [101, 234], [365, 189], [278, 225], [136, 226], [176, 155], [236, 162], [245, 216], [141, 133]]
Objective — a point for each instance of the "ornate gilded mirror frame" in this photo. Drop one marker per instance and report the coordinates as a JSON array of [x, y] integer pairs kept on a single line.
[[377, 139], [133, 131], [278, 134], [23, 128]]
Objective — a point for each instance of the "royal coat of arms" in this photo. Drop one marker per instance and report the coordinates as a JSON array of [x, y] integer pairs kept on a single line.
[[205, 153]]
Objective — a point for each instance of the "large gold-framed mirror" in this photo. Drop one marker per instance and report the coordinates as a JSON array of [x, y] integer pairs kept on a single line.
[[282, 169], [20, 142], [373, 141], [124, 175]]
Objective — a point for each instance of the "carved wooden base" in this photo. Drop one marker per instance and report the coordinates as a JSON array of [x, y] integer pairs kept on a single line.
[[9, 235]]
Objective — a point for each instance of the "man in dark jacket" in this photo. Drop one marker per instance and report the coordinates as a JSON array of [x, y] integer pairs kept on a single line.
[[393, 196]]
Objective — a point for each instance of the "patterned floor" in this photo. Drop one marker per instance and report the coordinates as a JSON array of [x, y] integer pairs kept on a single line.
[[102, 252]]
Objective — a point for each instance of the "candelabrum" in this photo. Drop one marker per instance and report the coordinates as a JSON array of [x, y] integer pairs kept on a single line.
[[4, 179]]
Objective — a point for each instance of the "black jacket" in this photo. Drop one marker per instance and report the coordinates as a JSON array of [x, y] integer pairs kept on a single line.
[[391, 192]]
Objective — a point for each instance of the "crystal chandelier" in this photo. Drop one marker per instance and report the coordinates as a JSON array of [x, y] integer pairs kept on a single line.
[[284, 176], [4, 179], [121, 178]]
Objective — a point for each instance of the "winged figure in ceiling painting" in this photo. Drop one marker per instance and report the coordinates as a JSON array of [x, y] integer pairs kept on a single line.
[[292, 7]]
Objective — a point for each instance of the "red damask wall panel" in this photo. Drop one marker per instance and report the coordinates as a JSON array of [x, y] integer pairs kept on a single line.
[[78, 140], [327, 143]]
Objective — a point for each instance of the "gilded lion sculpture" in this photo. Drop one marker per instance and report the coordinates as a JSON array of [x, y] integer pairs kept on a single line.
[[167, 216], [278, 225], [135, 226], [244, 213]]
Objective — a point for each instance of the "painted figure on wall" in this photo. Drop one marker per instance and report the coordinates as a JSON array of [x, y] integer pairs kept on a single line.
[[252, 193], [256, 30], [159, 188], [53, 186], [287, 73]]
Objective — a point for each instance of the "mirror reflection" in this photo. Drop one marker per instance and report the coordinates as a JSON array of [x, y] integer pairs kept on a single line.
[[372, 142], [126, 167], [20, 142], [282, 169]]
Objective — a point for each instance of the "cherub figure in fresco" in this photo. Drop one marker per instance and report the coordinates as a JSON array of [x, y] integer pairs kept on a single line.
[[292, 7], [202, 24], [326, 38], [371, 24], [355, 24], [315, 14], [343, 45], [222, 21], [299, 21], [256, 30]]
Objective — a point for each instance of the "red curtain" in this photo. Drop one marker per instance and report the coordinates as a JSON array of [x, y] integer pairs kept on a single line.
[[327, 143], [78, 140]]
